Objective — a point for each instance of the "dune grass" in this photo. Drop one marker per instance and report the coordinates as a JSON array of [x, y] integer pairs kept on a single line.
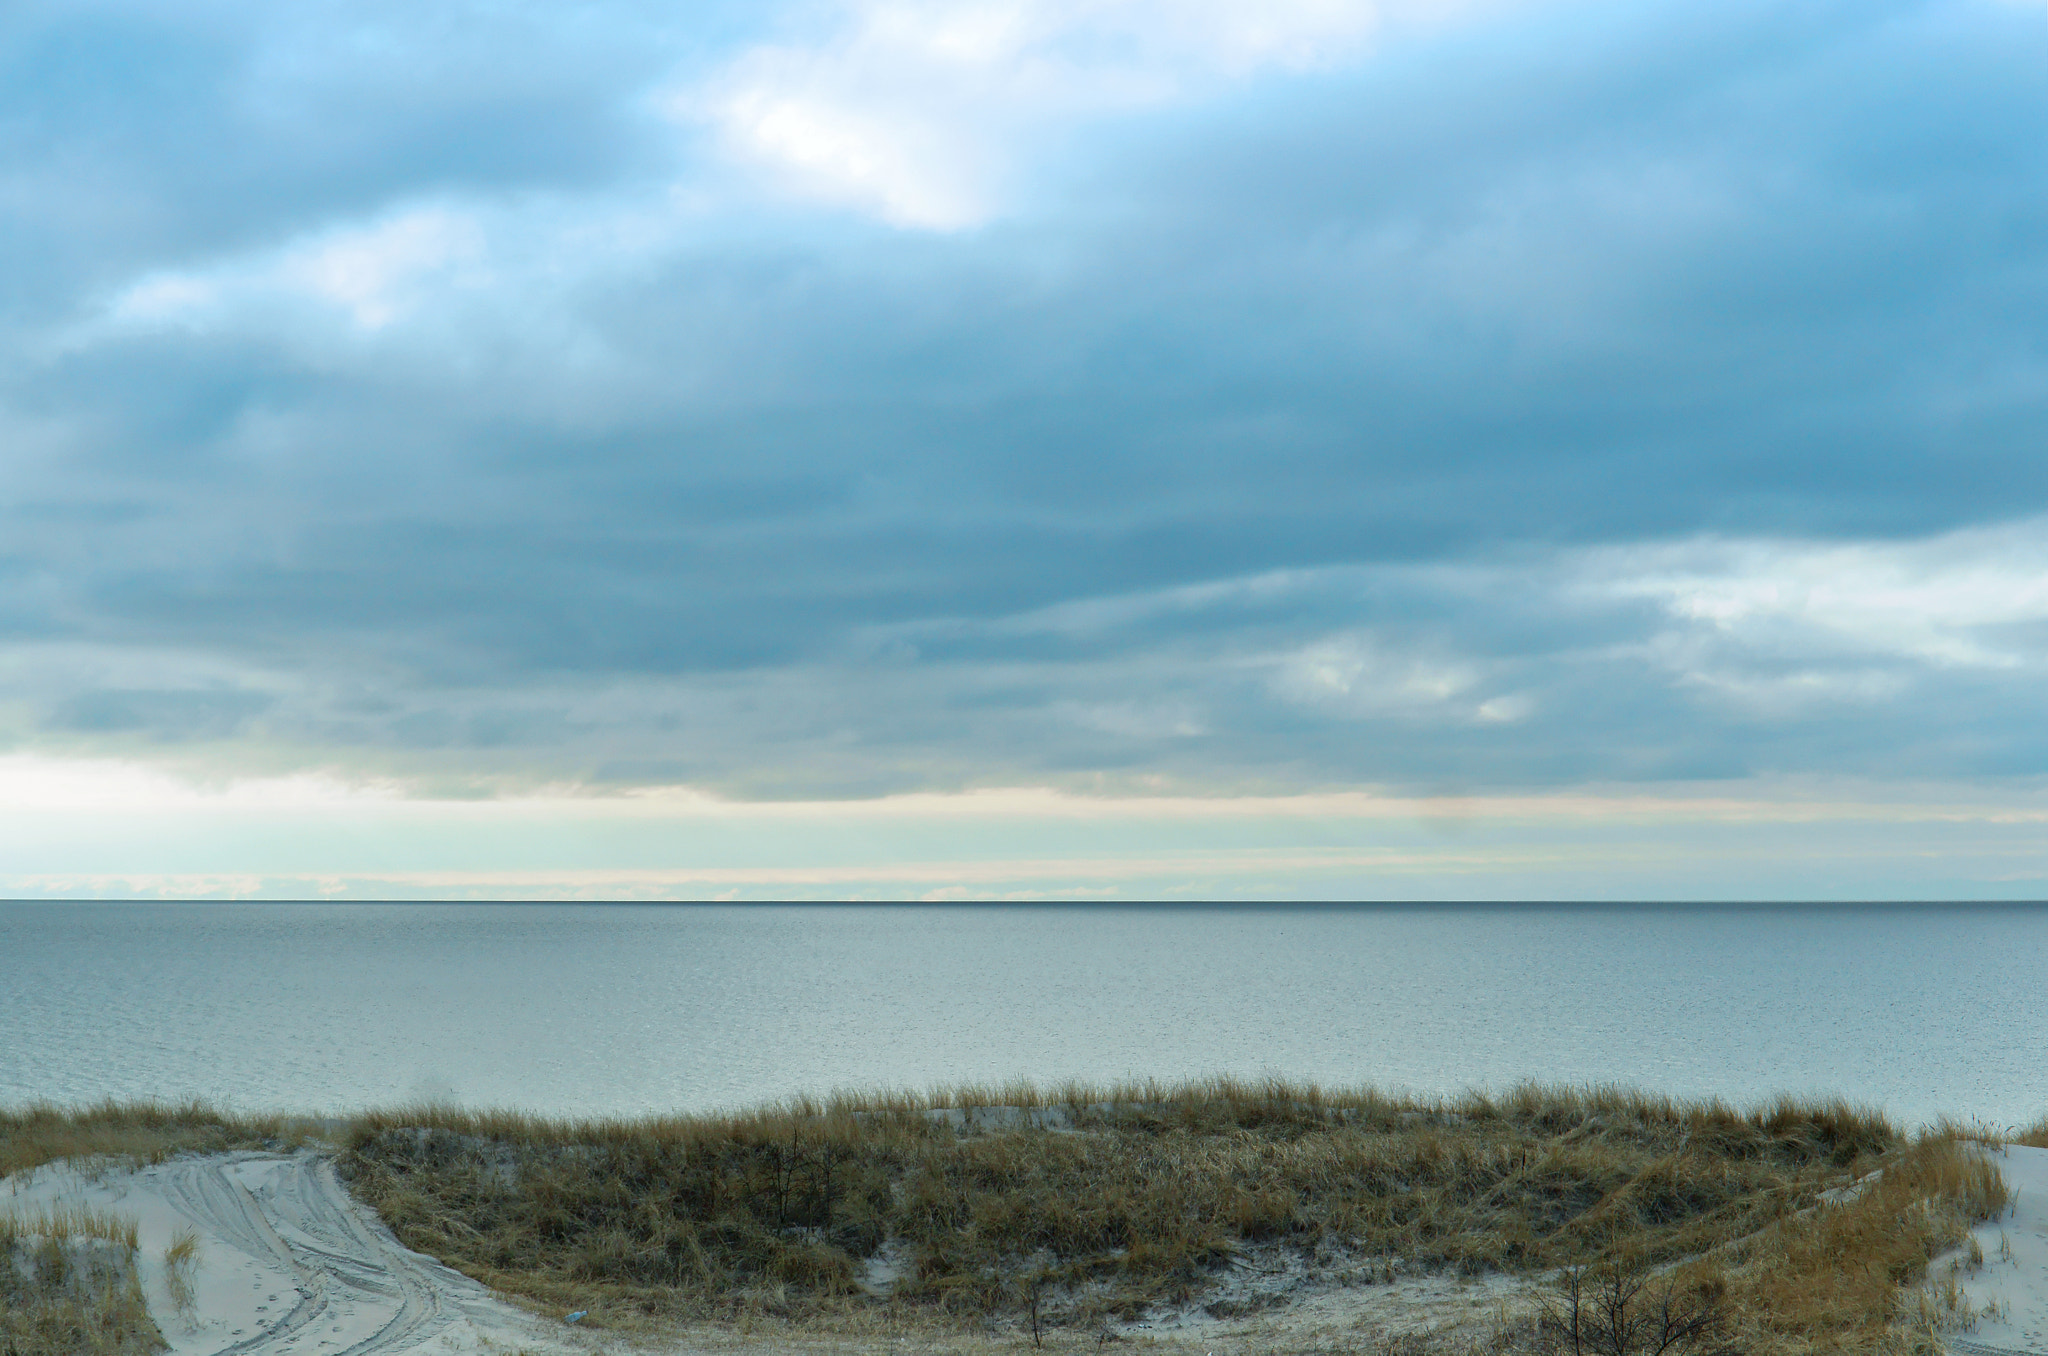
[[131, 1133], [1809, 1223], [181, 1258], [69, 1286], [2035, 1135], [1846, 1276], [1140, 1197]]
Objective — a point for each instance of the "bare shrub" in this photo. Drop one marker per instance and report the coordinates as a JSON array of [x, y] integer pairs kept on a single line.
[[1619, 1310]]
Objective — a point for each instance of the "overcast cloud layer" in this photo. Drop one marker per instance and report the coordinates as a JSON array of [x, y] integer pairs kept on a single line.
[[870, 397]]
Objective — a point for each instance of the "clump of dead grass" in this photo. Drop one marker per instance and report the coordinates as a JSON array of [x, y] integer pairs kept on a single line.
[[181, 1258], [2035, 1135], [69, 1286], [1137, 1199]]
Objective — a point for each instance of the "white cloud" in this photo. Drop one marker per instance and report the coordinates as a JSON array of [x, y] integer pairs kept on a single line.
[[1353, 675], [323, 840], [911, 173], [1137, 719], [42, 784], [1782, 627], [372, 274], [1356, 676], [167, 298], [1506, 710], [1954, 601], [475, 290], [915, 109]]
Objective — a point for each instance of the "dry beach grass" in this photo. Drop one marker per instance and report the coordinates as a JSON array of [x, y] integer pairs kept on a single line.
[[133, 1133], [1000, 1215], [68, 1286], [1116, 1201]]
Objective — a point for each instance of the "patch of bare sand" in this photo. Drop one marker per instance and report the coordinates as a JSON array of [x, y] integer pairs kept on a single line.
[[1281, 1299], [1273, 1302], [285, 1263], [1999, 1276]]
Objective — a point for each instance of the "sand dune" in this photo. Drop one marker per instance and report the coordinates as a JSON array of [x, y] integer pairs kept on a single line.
[[289, 1264], [2012, 1280]]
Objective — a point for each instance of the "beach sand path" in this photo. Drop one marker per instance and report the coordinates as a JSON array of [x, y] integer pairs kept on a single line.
[[2013, 1279], [288, 1264]]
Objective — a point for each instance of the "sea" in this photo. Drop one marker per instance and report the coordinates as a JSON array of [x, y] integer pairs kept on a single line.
[[592, 1010]]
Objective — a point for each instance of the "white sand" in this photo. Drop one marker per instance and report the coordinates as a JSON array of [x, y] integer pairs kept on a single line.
[[2013, 1280], [289, 1263]]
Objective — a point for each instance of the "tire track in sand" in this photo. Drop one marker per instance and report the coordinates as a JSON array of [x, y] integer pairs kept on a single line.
[[292, 1265]]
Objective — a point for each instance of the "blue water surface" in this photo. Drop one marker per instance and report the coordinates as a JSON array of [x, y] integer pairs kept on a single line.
[[620, 1010]]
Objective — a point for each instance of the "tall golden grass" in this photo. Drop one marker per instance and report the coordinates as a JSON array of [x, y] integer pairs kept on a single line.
[[132, 1133], [1841, 1277]]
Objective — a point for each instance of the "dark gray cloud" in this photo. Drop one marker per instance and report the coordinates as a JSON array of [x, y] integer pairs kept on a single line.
[[138, 135], [1268, 441], [168, 715]]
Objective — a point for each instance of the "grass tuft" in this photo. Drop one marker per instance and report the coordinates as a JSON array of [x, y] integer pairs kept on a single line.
[[1845, 1276], [2035, 1135], [181, 1258], [68, 1280]]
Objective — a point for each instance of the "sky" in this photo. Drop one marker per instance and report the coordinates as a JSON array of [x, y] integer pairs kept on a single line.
[[1011, 448]]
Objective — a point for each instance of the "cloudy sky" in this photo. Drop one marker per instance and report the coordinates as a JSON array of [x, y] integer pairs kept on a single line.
[[1428, 448]]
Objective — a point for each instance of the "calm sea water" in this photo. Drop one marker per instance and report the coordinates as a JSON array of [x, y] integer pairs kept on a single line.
[[581, 1009]]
